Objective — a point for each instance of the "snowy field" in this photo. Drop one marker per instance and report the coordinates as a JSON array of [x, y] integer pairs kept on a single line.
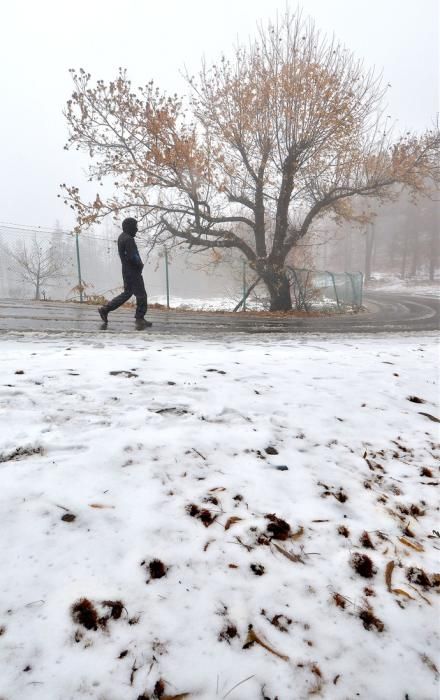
[[244, 519]]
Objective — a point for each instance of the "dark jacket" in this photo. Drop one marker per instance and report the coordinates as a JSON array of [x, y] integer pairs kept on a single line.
[[129, 254]]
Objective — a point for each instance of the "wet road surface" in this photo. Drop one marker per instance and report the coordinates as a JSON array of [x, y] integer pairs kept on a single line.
[[384, 312]]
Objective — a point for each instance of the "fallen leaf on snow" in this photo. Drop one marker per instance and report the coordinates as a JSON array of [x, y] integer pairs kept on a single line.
[[278, 529], [339, 600], [123, 373], [296, 535], [430, 416], [413, 545], [253, 638], [400, 591], [68, 517], [289, 555], [370, 620], [429, 663], [389, 574], [415, 399], [231, 521]]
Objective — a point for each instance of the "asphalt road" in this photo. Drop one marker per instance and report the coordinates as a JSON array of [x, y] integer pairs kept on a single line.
[[384, 312]]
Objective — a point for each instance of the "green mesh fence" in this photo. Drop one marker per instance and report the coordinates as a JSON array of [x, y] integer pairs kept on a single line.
[[101, 275], [314, 289]]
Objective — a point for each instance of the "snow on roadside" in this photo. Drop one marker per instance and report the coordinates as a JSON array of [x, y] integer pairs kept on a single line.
[[386, 283], [144, 481], [195, 303]]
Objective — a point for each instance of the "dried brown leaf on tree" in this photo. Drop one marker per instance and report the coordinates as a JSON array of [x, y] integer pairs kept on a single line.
[[287, 72]]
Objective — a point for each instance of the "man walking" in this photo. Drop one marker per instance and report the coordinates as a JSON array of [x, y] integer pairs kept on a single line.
[[132, 267]]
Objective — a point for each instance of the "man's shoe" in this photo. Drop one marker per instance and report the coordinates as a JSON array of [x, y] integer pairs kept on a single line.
[[103, 313], [141, 324]]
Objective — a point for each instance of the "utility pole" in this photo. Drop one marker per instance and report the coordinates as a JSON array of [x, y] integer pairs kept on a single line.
[[244, 285], [78, 262], [167, 278]]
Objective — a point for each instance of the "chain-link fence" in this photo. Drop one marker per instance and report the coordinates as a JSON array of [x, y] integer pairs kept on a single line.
[[56, 265], [310, 290], [314, 289], [43, 264]]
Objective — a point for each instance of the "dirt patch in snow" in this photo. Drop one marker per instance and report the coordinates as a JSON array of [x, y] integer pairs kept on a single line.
[[85, 613], [363, 565], [202, 514], [21, 453]]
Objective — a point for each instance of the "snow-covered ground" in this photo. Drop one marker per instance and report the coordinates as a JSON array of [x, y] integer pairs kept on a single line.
[[242, 519], [419, 287], [209, 304], [228, 303], [382, 283]]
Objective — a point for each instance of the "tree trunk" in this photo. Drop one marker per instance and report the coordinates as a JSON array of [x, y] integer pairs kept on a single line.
[[404, 255], [393, 262], [278, 286], [369, 246], [433, 253], [415, 252]]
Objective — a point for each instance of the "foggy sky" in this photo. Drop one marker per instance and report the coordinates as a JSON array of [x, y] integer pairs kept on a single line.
[[41, 39]]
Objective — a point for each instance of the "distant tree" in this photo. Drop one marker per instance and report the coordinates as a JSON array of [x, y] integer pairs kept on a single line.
[[284, 133], [34, 262], [433, 238]]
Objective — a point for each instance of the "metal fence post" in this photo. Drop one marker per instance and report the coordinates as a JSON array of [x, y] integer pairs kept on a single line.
[[334, 287], [244, 285], [355, 301], [78, 262], [167, 278]]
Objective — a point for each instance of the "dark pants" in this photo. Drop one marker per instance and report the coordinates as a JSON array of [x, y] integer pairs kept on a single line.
[[133, 284]]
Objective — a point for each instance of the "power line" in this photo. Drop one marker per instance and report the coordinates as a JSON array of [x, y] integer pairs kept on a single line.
[[33, 227], [26, 228]]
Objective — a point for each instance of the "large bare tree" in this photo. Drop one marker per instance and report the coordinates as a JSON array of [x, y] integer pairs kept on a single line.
[[34, 262], [267, 142]]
